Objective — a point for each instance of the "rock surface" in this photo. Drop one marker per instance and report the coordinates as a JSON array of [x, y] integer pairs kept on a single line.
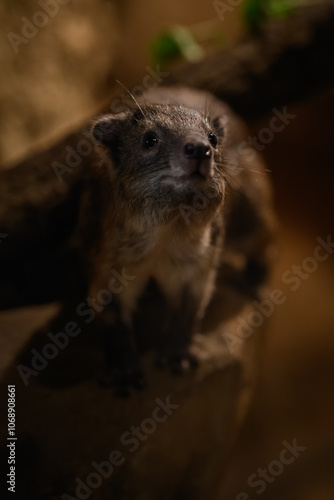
[[66, 423]]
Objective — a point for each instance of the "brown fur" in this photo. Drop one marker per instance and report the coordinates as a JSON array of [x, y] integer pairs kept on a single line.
[[158, 227]]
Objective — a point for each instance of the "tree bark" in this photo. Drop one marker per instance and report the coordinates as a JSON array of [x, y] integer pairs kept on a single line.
[[287, 60]]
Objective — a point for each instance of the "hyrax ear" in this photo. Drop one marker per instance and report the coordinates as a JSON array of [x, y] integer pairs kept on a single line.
[[107, 129]]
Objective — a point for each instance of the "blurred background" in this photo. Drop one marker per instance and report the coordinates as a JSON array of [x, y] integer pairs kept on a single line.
[[56, 76]]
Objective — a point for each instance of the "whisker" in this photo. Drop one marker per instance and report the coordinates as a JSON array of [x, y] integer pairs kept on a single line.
[[258, 171], [206, 106], [132, 97]]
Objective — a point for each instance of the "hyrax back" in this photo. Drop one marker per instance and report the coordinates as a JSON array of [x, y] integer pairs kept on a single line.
[[175, 196]]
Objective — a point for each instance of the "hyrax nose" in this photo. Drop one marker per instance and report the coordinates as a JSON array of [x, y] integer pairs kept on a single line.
[[196, 157], [197, 150]]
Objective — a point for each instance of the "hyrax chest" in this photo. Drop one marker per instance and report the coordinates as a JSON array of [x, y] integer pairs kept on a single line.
[[172, 258]]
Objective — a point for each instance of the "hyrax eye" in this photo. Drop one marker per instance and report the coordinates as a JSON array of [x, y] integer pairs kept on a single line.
[[213, 139], [149, 140]]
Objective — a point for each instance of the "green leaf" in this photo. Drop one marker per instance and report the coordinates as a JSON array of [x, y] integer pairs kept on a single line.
[[177, 42], [254, 12], [280, 8]]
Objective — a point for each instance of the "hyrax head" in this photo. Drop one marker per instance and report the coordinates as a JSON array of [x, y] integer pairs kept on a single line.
[[163, 156]]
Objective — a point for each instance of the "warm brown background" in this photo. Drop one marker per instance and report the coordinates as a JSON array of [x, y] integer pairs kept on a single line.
[[295, 398], [64, 74]]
